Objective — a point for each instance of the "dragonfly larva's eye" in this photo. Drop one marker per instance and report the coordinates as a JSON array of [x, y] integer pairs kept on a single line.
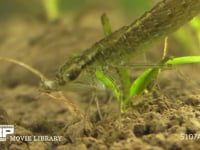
[[70, 70], [67, 75], [71, 75]]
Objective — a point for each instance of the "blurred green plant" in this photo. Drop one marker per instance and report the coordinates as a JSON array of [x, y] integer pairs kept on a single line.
[[55, 8], [52, 9], [195, 24], [189, 36]]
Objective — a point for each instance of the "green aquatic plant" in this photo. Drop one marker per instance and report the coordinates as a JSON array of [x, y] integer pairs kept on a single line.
[[54, 9], [139, 85], [51, 9], [195, 24], [189, 36]]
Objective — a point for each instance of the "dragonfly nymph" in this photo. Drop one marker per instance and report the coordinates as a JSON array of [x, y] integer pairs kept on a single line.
[[164, 18]]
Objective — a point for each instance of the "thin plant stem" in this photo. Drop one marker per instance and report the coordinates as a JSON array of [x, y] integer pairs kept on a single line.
[[165, 47]]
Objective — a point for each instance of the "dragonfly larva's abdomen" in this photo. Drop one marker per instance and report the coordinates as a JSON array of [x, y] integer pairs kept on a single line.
[[163, 19]]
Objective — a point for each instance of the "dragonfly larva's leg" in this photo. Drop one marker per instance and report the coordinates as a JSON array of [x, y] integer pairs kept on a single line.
[[97, 105], [94, 97]]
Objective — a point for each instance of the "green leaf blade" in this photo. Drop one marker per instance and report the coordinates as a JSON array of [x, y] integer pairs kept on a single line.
[[183, 60], [108, 83]]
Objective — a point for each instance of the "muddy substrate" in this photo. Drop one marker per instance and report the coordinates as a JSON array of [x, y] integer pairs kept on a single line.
[[165, 118]]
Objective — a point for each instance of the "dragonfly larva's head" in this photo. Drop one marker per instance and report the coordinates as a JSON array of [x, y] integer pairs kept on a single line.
[[69, 71]]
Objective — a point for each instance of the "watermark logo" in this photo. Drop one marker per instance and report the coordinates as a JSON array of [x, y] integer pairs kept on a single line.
[[192, 137], [9, 129], [5, 130]]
